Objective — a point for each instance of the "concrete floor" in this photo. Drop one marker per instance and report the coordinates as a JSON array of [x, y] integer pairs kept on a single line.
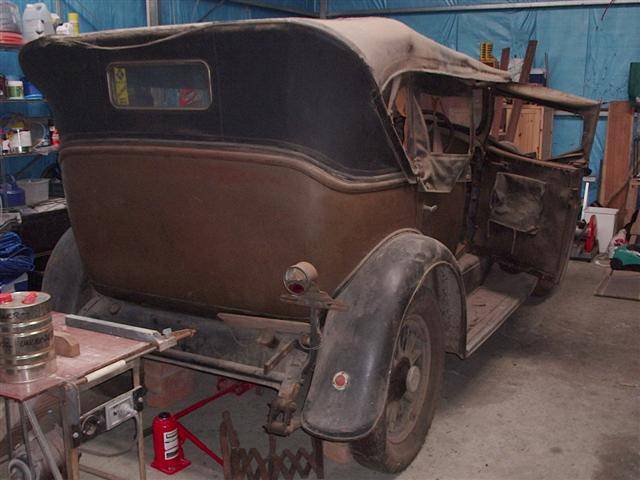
[[554, 394]]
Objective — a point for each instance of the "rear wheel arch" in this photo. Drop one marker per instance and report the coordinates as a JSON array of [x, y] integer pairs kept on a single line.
[[65, 277], [446, 285], [404, 424], [357, 341]]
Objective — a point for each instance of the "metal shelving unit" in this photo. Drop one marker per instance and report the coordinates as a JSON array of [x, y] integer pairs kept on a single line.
[[39, 151], [23, 100]]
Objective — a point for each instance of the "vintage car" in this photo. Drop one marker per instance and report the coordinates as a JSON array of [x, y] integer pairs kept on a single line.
[[203, 162]]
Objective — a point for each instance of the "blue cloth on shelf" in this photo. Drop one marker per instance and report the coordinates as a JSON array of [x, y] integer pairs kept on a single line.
[[15, 257]]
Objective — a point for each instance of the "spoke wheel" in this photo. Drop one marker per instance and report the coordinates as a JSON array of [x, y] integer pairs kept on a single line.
[[408, 386], [414, 388]]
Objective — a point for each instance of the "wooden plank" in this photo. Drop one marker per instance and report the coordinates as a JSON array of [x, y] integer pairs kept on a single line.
[[498, 105], [524, 78], [617, 153], [546, 140], [632, 201]]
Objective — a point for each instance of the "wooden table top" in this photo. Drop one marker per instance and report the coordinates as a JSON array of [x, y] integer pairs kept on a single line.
[[97, 350]]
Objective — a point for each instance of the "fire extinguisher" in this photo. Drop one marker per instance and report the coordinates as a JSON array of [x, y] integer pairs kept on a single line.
[[167, 445]]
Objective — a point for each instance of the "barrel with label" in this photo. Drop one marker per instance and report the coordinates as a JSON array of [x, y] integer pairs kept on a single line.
[[26, 337]]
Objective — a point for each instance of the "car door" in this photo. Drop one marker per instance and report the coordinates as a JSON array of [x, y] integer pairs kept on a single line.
[[528, 206]]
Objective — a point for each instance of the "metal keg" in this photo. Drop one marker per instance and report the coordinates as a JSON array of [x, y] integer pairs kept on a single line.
[[26, 337]]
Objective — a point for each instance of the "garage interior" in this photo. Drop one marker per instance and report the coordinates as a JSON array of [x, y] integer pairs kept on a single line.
[[463, 211]]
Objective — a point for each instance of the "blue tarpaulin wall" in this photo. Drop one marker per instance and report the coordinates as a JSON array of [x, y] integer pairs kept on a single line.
[[588, 49]]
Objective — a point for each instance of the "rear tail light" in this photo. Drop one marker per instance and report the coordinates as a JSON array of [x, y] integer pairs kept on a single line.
[[299, 278]]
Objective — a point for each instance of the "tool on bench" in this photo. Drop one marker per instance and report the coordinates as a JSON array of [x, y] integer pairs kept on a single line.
[[163, 341]]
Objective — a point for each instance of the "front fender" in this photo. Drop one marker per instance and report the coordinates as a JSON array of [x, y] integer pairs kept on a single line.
[[361, 340]]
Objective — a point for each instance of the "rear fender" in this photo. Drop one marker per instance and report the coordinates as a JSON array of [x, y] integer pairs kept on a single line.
[[361, 340], [65, 277]]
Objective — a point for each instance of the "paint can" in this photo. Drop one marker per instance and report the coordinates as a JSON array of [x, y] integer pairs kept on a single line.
[[15, 89], [27, 350]]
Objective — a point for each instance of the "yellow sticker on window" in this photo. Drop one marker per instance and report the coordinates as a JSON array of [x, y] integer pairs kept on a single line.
[[120, 82]]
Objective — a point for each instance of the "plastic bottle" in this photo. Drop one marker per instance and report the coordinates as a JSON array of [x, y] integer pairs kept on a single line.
[[74, 19], [36, 21]]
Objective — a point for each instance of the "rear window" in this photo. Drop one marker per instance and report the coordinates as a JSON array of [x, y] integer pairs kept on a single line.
[[171, 85]]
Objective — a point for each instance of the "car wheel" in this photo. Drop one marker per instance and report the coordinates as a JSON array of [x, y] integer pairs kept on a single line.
[[414, 389], [616, 264]]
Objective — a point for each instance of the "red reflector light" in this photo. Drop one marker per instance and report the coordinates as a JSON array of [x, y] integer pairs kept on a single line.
[[296, 288]]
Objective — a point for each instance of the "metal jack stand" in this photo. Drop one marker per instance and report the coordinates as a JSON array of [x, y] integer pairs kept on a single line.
[[240, 463], [225, 387]]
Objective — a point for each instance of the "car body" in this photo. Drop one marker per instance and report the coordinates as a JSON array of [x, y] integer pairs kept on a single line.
[[200, 161]]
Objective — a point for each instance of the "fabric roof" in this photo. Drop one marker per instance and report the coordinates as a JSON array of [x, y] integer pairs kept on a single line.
[[390, 47]]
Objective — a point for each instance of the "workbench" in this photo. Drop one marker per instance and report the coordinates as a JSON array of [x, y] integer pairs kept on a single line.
[[102, 357]]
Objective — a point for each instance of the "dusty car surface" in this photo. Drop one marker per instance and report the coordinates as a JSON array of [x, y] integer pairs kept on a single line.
[[201, 161]]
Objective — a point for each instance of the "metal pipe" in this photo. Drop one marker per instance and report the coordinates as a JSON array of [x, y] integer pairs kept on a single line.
[[42, 440], [481, 7], [9, 435], [153, 15], [323, 10], [268, 6], [25, 438], [223, 368]]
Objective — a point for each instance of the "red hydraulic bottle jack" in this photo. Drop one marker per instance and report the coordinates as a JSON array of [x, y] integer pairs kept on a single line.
[[167, 445], [169, 434]]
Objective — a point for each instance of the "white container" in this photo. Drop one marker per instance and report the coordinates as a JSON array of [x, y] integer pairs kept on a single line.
[[36, 190], [606, 223], [36, 21], [20, 141], [15, 89]]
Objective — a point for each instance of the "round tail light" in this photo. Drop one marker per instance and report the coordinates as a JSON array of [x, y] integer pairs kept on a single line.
[[299, 278]]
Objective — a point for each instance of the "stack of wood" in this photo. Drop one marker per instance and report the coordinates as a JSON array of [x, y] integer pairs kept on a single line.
[[528, 127], [618, 187]]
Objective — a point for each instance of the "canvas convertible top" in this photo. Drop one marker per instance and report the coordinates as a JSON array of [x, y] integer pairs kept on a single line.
[[298, 83], [390, 47]]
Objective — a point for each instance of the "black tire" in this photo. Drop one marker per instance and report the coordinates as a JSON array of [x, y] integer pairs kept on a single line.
[[395, 441], [545, 288], [616, 264], [65, 278]]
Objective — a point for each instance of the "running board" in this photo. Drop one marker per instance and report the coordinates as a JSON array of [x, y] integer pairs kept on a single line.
[[489, 305]]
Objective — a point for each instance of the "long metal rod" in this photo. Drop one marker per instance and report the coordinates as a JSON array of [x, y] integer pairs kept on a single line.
[[481, 7], [190, 363], [268, 6], [9, 435], [25, 437], [137, 381], [153, 14], [323, 10], [226, 365], [42, 440]]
